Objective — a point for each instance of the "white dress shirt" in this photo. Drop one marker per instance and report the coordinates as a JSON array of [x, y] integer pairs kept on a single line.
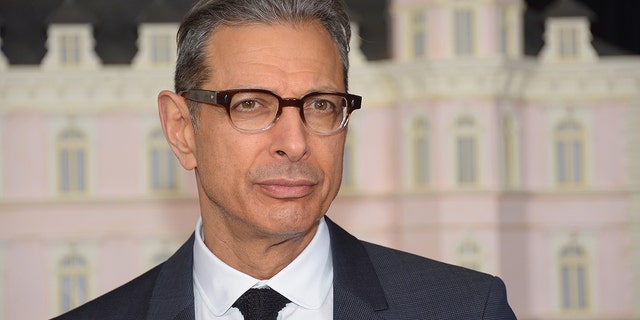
[[307, 282]]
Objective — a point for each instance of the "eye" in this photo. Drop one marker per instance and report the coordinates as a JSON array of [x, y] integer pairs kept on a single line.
[[246, 105], [252, 102], [321, 105]]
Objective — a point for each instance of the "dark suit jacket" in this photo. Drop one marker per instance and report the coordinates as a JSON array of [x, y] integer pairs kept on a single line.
[[370, 282]]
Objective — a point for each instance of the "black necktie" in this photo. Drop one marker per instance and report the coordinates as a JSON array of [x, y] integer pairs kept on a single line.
[[260, 304]]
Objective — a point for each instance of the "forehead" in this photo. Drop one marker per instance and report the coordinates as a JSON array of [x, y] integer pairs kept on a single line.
[[277, 54]]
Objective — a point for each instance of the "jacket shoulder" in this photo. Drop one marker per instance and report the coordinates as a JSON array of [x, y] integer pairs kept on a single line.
[[435, 289], [414, 265]]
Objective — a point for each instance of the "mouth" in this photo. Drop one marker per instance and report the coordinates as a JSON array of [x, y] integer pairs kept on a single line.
[[286, 189]]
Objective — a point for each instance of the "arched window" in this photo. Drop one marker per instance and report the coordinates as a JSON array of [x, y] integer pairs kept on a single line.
[[419, 153], [574, 285], [72, 161], [569, 144], [466, 151], [73, 279], [469, 255], [164, 165]]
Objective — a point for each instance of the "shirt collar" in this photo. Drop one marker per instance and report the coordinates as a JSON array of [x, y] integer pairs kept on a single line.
[[220, 285]]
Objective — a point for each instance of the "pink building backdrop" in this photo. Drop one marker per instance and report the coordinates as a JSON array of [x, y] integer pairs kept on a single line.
[[466, 151]]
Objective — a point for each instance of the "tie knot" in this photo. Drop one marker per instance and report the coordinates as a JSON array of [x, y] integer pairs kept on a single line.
[[260, 304]]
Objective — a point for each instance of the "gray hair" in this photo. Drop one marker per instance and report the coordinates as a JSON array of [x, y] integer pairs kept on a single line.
[[207, 15]]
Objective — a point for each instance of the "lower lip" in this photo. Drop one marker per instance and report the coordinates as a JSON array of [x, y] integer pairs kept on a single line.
[[287, 192]]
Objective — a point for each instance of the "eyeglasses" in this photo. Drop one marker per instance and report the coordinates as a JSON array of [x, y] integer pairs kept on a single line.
[[254, 110]]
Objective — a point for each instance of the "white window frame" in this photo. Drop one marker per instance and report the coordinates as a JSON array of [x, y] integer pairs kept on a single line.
[[464, 28], [72, 154], [569, 147], [163, 165], [574, 279], [467, 150], [419, 153], [70, 44], [73, 281]]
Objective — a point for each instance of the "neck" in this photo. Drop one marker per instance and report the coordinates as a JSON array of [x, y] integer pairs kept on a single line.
[[258, 254]]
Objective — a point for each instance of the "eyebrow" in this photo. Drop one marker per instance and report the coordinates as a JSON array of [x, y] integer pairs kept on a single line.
[[318, 89]]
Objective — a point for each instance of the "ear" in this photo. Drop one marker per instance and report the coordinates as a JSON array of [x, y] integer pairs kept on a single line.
[[177, 127]]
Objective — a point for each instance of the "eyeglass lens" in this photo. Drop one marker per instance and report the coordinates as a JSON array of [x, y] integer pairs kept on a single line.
[[322, 112]]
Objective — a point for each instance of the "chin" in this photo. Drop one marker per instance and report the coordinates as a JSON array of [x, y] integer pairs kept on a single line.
[[293, 223]]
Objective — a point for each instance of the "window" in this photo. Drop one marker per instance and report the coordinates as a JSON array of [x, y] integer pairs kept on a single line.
[[568, 42], [466, 151], [469, 255], [464, 33], [73, 281], [419, 153], [508, 30], [569, 146], [164, 165], [504, 31], [72, 154], [466, 160], [69, 49], [574, 286], [509, 151], [418, 34], [161, 45]]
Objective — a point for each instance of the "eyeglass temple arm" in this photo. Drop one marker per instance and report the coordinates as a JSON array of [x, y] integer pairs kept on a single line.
[[201, 95], [356, 102]]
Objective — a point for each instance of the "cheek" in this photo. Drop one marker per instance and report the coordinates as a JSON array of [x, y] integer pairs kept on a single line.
[[220, 160], [338, 159], [334, 161]]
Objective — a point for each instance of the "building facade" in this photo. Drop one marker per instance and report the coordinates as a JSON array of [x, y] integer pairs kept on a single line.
[[465, 151]]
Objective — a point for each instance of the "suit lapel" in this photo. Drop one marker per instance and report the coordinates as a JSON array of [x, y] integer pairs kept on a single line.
[[357, 293], [172, 297]]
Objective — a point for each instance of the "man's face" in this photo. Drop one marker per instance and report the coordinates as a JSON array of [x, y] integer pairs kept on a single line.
[[280, 181]]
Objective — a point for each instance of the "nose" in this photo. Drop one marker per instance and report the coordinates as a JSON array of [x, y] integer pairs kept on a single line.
[[290, 136]]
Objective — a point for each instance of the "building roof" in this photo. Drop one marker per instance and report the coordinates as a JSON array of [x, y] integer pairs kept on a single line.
[[70, 12], [159, 11], [116, 25], [569, 8], [535, 23]]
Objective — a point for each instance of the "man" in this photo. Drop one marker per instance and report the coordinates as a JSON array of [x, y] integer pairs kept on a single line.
[[260, 113]]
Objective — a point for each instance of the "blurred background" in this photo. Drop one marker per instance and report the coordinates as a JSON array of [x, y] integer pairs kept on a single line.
[[502, 135]]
